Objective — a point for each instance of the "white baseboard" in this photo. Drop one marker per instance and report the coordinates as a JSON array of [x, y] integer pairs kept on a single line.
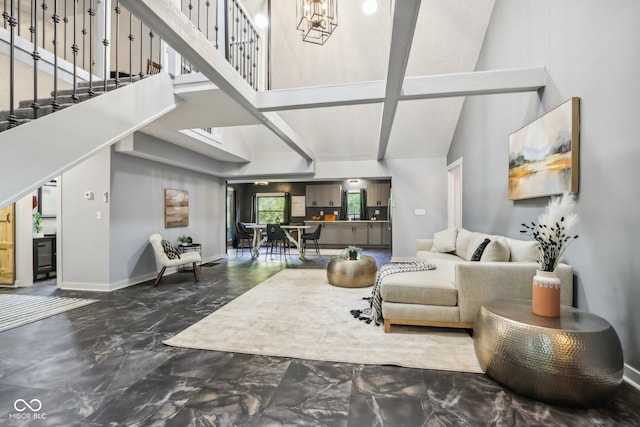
[[632, 376], [108, 287]]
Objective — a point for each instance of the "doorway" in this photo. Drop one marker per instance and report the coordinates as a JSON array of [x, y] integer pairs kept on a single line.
[[7, 246], [454, 194]]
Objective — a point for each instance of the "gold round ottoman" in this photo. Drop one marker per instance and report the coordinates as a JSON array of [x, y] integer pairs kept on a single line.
[[352, 273], [575, 359]]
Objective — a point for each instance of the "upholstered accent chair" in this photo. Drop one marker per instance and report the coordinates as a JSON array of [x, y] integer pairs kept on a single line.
[[170, 257]]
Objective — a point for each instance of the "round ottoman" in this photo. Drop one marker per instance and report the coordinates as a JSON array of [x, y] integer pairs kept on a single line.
[[352, 273], [575, 359]]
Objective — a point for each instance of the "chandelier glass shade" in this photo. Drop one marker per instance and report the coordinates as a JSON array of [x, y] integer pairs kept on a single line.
[[316, 19]]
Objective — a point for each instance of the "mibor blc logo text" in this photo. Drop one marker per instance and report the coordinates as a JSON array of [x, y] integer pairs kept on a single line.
[[27, 410]]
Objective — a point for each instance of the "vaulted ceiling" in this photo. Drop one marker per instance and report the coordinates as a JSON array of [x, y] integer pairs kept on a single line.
[[388, 85]]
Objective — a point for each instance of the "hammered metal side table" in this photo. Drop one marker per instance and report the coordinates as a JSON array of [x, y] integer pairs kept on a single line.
[[352, 273], [575, 359]]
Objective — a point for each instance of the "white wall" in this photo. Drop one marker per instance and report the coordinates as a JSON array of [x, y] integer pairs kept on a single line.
[[590, 51], [24, 241]]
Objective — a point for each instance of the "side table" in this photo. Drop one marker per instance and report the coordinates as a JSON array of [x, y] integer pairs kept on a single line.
[[352, 273], [191, 247], [575, 359]]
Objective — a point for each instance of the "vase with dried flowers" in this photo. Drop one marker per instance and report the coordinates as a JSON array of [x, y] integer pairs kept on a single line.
[[553, 234]]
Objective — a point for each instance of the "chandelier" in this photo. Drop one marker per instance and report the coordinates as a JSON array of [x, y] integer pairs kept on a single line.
[[317, 19]]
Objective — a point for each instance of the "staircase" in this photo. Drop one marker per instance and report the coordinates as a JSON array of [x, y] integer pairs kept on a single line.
[[65, 98], [42, 149]]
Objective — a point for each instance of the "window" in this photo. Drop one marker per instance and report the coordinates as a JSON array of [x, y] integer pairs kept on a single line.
[[353, 205], [270, 208]]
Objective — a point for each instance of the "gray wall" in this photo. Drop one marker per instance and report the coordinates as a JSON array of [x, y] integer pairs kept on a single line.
[[114, 251], [590, 50], [137, 211], [84, 239]]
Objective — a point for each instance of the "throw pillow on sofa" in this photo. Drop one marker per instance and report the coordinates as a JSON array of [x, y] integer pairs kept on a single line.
[[523, 250], [496, 251], [462, 243], [445, 241], [477, 255], [475, 239]]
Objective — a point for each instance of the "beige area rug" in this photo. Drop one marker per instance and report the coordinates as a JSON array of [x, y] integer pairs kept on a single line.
[[296, 313]]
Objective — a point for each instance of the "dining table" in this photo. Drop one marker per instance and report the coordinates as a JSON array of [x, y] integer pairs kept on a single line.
[[259, 237]]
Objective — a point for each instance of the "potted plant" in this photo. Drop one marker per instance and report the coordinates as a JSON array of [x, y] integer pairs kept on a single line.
[[37, 224], [352, 253], [553, 234], [185, 240]]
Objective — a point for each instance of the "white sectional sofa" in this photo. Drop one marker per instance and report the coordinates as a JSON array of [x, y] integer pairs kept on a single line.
[[451, 295]]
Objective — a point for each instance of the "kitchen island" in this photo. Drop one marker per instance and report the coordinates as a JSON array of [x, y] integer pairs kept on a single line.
[[369, 233]]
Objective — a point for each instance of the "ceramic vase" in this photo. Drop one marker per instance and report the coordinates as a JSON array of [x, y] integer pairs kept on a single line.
[[546, 294]]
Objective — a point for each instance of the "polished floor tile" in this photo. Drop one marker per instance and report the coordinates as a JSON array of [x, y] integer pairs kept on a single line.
[[106, 365]]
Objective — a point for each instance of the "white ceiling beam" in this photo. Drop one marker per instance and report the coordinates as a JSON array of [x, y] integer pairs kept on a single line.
[[474, 83], [424, 87], [321, 96], [166, 20], [405, 17]]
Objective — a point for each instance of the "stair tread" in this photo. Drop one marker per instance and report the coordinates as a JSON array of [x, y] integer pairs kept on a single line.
[[25, 112]]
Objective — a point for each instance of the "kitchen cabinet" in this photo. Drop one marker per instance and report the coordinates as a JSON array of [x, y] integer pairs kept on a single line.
[[378, 194], [379, 234], [326, 195], [354, 233], [340, 234], [330, 234]]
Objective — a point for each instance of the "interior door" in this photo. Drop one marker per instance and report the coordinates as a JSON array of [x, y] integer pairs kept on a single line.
[[7, 246]]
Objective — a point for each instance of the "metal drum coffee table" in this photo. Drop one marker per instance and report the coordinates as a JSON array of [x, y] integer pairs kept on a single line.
[[352, 273], [575, 359]]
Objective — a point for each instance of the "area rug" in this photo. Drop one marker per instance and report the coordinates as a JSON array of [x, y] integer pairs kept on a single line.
[[297, 314], [18, 310]]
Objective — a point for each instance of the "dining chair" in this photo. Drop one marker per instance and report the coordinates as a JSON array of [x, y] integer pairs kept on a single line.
[[276, 237], [242, 234], [314, 236]]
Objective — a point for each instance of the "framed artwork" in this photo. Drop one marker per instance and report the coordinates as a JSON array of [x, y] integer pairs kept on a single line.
[[543, 155], [176, 208]]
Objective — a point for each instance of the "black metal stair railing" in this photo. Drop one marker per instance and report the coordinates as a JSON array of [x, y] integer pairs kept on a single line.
[[54, 29], [58, 31]]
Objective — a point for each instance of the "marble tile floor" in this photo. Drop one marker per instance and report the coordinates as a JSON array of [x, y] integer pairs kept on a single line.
[[105, 365]]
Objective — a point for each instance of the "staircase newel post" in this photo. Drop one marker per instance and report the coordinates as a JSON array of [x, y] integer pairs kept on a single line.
[[13, 120], [131, 38], [103, 30], [74, 49], [56, 19], [35, 55], [92, 14], [118, 11]]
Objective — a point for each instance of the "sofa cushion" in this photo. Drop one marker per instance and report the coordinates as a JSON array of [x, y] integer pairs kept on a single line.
[[496, 251], [462, 242], [445, 240], [433, 287], [433, 257], [523, 250]]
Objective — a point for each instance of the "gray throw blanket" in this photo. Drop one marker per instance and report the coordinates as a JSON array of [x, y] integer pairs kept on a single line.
[[374, 311]]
